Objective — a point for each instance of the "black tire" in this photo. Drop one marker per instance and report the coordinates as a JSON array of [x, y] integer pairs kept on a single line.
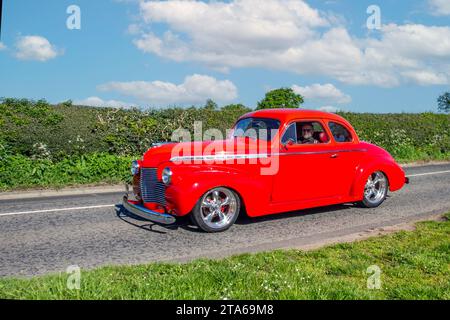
[[375, 190], [198, 213]]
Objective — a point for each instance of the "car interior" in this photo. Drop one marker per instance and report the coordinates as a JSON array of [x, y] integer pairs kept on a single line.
[[340, 133], [319, 133]]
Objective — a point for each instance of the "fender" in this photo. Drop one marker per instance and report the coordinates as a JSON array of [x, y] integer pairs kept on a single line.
[[393, 172], [187, 189]]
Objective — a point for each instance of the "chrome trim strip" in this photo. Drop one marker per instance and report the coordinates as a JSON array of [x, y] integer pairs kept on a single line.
[[147, 214], [221, 157], [258, 156], [321, 152]]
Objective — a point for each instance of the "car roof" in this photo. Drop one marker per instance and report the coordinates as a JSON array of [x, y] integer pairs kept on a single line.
[[286, 115]]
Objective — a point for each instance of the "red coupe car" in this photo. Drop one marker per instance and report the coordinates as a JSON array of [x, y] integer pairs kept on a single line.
[[274, 161]]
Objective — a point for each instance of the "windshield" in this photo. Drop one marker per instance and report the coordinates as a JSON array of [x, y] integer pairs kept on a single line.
[[256, 128]]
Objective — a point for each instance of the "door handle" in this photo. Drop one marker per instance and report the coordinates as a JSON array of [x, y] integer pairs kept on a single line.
[[334, 156]]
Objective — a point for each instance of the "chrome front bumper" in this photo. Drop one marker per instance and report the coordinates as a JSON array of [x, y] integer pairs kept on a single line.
[[147, 214]]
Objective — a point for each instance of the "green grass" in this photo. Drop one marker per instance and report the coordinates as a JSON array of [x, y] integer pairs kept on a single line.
[[414, 265]]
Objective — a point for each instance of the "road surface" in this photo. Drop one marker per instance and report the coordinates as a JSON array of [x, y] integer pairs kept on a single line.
[[46, 235]]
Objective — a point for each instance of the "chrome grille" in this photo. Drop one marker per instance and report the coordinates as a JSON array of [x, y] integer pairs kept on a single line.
[[152, 190]]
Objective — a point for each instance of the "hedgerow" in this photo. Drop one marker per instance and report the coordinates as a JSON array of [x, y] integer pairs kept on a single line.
[[43, 144], [38, 129], [18, 171]]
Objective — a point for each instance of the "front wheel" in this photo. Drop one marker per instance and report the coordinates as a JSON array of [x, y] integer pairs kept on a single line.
[[375, 190], [217, 210]]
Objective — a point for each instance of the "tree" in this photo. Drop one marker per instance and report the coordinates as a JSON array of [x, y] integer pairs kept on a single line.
[[444, 102], [281, 98], [211, 105], [68, 103], [236, 107]]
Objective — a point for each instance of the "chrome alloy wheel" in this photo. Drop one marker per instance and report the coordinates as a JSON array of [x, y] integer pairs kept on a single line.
[[376, 188], [218, 208]]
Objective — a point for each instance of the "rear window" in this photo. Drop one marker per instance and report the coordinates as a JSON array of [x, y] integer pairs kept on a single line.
[[339, 132]]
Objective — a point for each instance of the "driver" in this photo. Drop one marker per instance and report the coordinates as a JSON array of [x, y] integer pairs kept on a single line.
[[308, 134]]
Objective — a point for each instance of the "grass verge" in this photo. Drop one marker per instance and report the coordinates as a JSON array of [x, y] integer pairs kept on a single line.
[[413, 264]]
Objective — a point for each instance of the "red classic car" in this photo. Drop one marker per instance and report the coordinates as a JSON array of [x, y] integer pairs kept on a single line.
[[273, 161]]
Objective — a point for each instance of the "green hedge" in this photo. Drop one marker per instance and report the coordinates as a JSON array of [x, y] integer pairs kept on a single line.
[[47, 145], [18, 171], [424, 136], [42, 131]]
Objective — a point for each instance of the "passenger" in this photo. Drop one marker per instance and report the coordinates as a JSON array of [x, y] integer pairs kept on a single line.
[[308, 134], [339, 136]]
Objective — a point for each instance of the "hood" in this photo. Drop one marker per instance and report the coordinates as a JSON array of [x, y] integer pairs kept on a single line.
[[164, 152]]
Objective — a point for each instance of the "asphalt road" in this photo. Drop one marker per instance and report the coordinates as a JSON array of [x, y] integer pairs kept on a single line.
[[45, 235]]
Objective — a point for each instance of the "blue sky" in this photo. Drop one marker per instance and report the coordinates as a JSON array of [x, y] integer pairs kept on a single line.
[[151, 53]]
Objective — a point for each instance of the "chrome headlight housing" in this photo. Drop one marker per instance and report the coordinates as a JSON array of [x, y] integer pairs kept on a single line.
[[135, 168], [167, 176]]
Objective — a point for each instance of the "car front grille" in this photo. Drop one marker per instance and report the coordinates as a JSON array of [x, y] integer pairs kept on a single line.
[[152, 190]]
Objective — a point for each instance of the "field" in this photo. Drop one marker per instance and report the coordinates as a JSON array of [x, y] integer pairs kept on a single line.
[[411, 265]]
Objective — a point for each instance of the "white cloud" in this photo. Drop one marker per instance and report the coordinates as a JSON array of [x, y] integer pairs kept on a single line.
[[292, 36], [412, 53], [247, 21], [440, 7], [133, 29], [426, 77], [98, 102], [331, 109], [242, 26], [195, 89], [323, 92], [35, 48], [2, 46]]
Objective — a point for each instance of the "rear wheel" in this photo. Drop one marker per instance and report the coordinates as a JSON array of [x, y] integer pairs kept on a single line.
[[375, 190], [217, 210]]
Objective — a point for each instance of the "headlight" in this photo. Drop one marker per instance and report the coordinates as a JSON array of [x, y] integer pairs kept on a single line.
[[135, 168], [167, 176]]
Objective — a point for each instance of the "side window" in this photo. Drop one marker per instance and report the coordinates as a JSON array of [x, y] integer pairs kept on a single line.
[[305, 132], [311, 132], [340, 133]]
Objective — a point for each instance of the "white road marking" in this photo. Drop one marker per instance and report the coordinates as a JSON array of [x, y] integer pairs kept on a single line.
[[113, 205], [428, 173], [57, 210]]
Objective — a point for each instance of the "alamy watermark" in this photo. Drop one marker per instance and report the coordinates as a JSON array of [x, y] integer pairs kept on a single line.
[[374, 279], [73, 22], [254, 146], [374, 20], [74, 279]]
